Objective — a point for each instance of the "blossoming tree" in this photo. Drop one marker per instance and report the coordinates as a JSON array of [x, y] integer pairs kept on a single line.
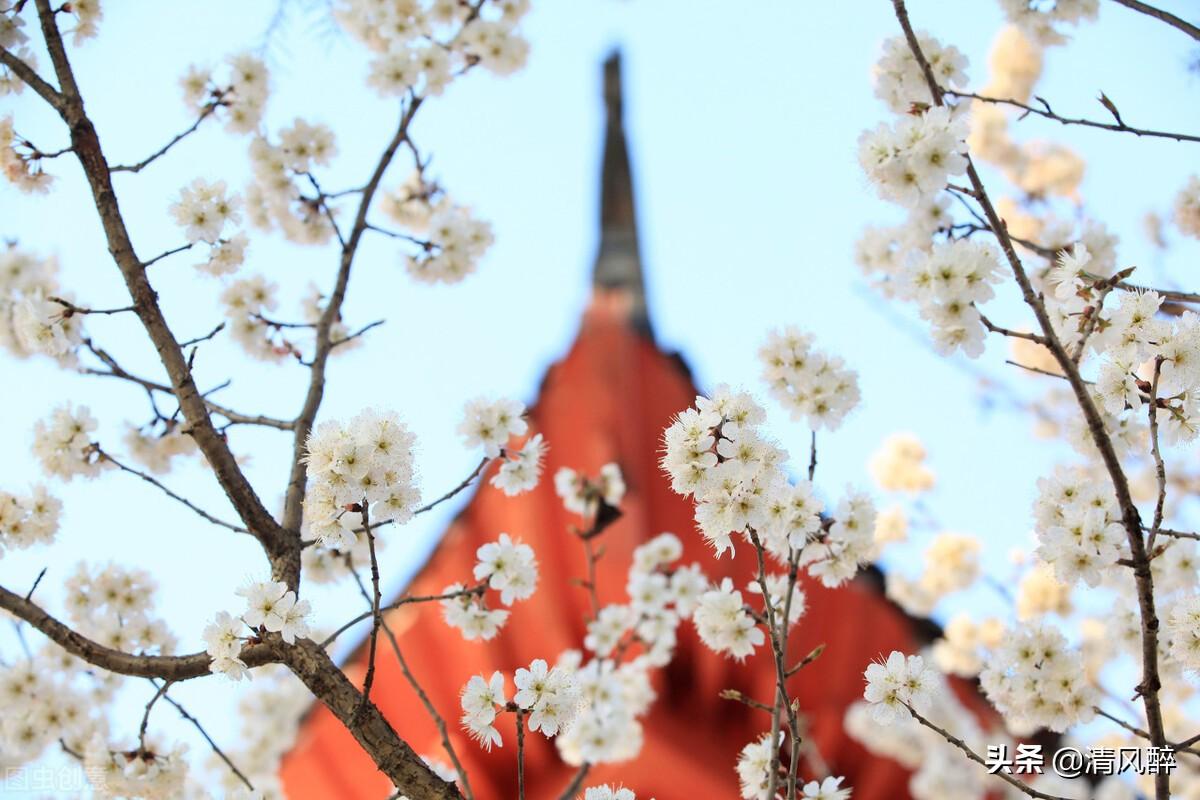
[[1129, 357]]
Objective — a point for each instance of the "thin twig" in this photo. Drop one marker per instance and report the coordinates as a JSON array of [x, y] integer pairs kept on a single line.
[[170, 252], [104, 456], [162, 151], [162, 690], [375, 602], [1164, 16], [1160, 469], [971, 754], [219, 752], [520, 754], [1048, 113], [572, 790]]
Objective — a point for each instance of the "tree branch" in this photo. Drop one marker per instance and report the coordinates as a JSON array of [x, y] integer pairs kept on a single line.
[[1151, 683], [1172, 20], [171, 668]]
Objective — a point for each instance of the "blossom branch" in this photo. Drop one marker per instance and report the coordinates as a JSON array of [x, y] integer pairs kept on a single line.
[[90, 154], [1151, 683], [172, 668], [293, 502]]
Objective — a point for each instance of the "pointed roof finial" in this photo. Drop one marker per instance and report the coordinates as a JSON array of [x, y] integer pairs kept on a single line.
[[618, 262]]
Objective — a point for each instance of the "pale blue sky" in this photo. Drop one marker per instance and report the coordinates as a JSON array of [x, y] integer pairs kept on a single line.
[[742, 119]]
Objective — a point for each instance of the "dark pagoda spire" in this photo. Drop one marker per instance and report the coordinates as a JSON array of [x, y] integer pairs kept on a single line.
[[618, 267]]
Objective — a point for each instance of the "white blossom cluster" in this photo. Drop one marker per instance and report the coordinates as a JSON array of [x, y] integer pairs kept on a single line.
[[270, 607], [456, 242], [616, 693], [23, 170], [490, 423], [156, 450], [550, 697], [607, 792], [1035, 680], [246, 302], [951, 564], [142, 772], [275, 198], [714, 453], [14, 38], [1078, 526], [899, 81], [724, 623], [522, 471], [47, 698], [364, 464], [62, 444], [1043, 21], [808, 383], [506, 566], [939, 771], [241, 98], [583, 495], [28, 519], [899, 465], [910, 161], [113, 606], [420, 47], [754, 766], [30, 322], [897, 682]]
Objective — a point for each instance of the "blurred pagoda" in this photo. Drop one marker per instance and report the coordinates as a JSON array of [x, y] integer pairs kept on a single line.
[[608, 400]]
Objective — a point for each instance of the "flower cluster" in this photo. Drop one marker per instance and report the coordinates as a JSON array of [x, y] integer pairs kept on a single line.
[[139, 771], [15, 39], [583, 495], [246, 302], [28, 519], [480, 699], [355, 468], [606, 792], [270, 607], [274, 199], [1183, 630], [490, 423], [241, 98], [805, 381], [505, 566], [551, 696], [523, 470], [910, 161], [1187, 208], [754, 766], [1078, 526], [947, 284], [456, 242], [156, 450], [724, 623], [30, 322], [508, 567], [1042, 21], [112, 606], [204, 209], [899, 81], [420, 47], [20, 163], [616, 694], [899, 465], [62, 444], [898, 682], [714, 452], [1036, 681]]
